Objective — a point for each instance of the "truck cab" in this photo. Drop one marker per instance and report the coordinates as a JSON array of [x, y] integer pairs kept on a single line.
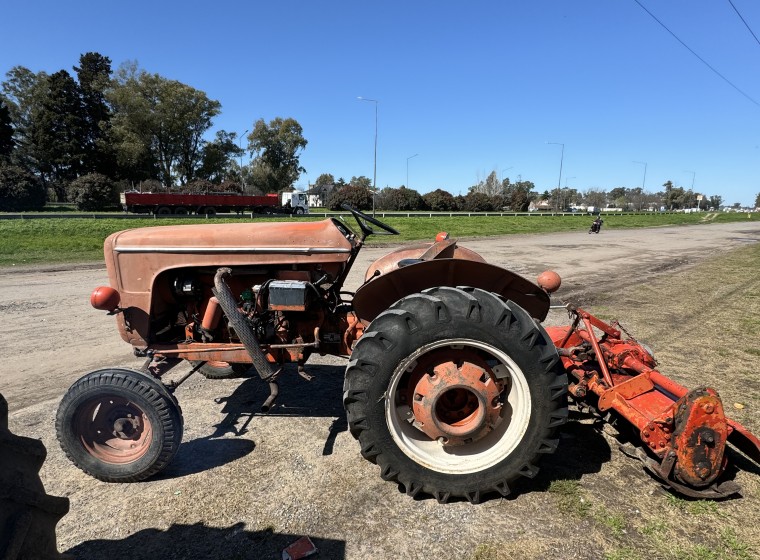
[[296, 201]]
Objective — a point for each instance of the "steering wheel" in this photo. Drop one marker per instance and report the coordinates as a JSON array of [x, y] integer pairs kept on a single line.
[[361, 218]]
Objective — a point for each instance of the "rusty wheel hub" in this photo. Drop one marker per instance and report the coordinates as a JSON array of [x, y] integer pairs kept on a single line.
[[456, 405], [114, 429]]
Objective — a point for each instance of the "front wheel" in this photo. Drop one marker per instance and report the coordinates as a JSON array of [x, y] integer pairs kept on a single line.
[[119, 425], [455, 392]]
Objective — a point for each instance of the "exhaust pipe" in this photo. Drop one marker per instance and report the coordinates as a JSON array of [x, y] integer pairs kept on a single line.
[[274, 390], [228, 304]]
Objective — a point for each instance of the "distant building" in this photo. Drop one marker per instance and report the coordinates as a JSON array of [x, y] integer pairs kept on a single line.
[[318, 195]]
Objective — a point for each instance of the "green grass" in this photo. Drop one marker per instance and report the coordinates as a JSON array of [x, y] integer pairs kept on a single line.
[[39, 241], [570, 498]]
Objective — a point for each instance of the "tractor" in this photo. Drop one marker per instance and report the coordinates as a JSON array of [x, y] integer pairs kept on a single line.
[[453, 387]]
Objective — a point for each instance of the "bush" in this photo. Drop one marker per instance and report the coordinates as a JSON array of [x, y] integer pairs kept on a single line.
[[478, 202], [440, 201], [358, 197], [93, 191], [399, 199], [20, 190]]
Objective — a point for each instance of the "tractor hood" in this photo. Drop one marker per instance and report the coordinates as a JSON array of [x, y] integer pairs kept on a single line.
[[309, 239]]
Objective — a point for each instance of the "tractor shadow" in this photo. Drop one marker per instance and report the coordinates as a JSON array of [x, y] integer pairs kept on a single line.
[[200, 541], [321, 397], [582, 448]]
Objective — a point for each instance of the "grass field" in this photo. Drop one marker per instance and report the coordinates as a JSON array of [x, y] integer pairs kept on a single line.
[[38, 241]]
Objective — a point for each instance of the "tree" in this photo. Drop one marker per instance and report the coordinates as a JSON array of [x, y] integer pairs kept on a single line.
[[93, 191], [478, 202], [94, 76], [361, 181], [440, 201], [490, 187], [160, 120], [275, 147], [673, 198], [22, 92], [20, 189], [517, 196], [218, 157], [57, 133], [6, 133], [757, 201], [716, 201], [358, 197], [595, 197], [399, 199], [326, 180]]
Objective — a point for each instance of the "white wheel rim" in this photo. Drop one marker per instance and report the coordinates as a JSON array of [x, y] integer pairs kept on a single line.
[[472, 457]]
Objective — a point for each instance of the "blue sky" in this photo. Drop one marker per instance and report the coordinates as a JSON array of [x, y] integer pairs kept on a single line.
[[469, 87]]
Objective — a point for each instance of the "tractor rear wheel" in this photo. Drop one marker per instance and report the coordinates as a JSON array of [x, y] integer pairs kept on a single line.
[[119, 425], [455, 392], [224, 370]]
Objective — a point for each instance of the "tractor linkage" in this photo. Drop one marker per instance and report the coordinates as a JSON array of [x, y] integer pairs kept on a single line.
[[684, 433]]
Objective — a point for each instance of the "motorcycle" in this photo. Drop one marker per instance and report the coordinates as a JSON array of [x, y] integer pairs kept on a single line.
[[596, 226]]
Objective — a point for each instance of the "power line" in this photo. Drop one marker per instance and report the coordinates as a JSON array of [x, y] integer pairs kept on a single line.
[[744, 22], [729, 82]]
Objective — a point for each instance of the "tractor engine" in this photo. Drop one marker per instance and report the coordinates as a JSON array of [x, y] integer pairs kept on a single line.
[[291, 317]]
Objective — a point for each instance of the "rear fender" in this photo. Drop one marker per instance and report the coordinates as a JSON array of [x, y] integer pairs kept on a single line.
[[381, 292]]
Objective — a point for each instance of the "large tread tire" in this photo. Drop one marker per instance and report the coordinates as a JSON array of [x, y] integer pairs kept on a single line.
[[394, 340], [100, 401], [224, 370]]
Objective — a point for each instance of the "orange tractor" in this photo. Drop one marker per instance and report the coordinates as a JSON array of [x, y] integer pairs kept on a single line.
[[453, 386]]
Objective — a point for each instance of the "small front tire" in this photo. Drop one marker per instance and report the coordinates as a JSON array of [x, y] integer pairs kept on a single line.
[[119, 425]]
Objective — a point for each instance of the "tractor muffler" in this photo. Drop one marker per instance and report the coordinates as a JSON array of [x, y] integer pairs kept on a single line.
[[228, 304]]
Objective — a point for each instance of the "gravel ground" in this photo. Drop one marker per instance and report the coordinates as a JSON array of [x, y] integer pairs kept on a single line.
[[245, 485]]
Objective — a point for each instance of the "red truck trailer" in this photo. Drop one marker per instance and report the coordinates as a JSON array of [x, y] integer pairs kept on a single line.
[[211, 203]]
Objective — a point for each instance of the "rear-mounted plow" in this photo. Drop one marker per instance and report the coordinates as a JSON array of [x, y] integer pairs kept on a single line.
[[683, 433]]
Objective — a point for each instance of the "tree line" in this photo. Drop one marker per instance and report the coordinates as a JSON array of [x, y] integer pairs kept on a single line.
[[494, 195], [85, 136]]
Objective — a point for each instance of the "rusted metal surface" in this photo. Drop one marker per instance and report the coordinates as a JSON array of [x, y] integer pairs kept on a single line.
[[686, 430], [380, 292], [147, 253], [441, 249], [699, 437], [212, 315], [105, 298], [455, 400], [114, 429]]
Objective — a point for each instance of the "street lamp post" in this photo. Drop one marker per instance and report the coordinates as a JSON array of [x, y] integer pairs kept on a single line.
[[374, 172], [240, 143], [643, 181], [407, 169], [561, 160], [503, 170]]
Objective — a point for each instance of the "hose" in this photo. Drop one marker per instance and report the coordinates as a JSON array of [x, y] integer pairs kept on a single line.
[[228, 304]]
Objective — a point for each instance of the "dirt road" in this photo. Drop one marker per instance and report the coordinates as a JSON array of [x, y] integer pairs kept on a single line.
[[245, 486]]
